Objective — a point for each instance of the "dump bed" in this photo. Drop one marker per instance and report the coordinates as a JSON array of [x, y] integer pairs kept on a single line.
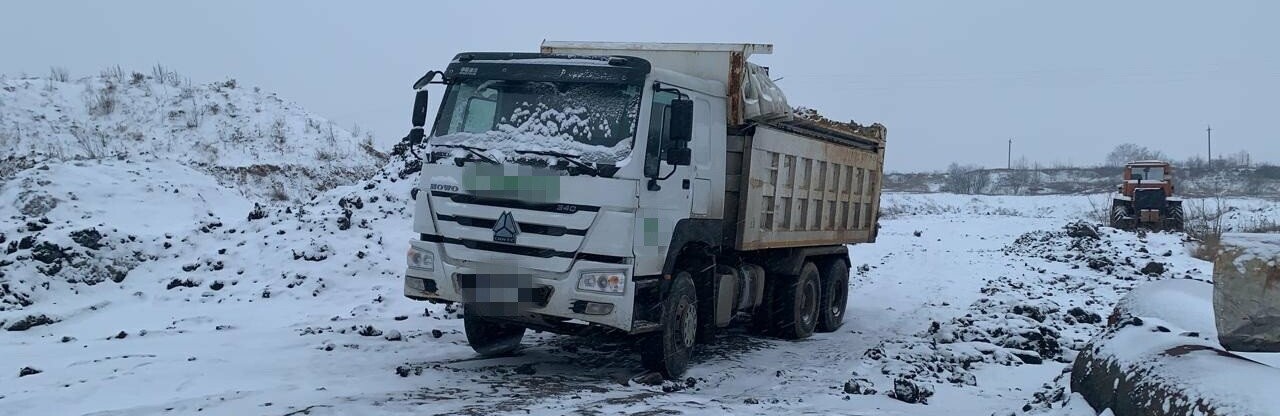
[[802, 183]]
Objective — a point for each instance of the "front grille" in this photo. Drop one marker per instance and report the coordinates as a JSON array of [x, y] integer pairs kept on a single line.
[[521, 250], [525, 227], [1149, 199], [512, 203]]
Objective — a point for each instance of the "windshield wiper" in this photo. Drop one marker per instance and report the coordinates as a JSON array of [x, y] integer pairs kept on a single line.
[[474, 150], [569, 157]]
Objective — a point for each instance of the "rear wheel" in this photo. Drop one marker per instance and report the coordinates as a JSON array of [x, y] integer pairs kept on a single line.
[[762, 316], [669, 350], [795, 306], [488, 337], [835, 296]]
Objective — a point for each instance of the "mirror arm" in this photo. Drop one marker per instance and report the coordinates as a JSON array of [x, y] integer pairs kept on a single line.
[[657, 86], [653, 181]]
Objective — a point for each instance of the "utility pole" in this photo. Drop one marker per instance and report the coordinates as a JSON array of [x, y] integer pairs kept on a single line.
[[1208, 131], [1009, 162]]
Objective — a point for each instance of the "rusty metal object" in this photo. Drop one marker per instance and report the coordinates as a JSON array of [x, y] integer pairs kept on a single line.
[[737, 70]]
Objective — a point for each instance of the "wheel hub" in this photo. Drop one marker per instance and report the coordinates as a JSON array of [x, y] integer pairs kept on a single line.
[[810, 303], [837, 302], [688, 326]]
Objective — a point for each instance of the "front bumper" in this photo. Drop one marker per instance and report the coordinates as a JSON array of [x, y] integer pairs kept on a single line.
[[553, 294]]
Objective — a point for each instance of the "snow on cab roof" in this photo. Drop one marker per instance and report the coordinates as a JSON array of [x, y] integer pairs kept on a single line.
[[603, 61], [1148, 162]]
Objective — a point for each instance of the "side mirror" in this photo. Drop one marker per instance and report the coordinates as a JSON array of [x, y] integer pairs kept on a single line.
[[419, 113], [681, 122], [681, 132]]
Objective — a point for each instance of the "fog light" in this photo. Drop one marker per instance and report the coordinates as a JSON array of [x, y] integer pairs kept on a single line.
[[594, 308], [422, 285], [591, 308], [416, 284]]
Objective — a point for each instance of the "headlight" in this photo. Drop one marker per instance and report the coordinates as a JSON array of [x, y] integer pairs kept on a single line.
[[421, 259], [603, 282]]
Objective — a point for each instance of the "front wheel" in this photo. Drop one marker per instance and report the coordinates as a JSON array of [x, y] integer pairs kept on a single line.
[[1175, 221], [1120, 218], [835, 296], [668, 351], [488, 337]]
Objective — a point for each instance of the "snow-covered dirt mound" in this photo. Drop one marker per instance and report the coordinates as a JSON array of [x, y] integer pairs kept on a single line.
[[164, 229], [81, 223], [1051, 298], [264, 146]]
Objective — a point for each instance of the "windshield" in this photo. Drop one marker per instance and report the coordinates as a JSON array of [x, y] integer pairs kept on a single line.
[[595, 121], [1153, 173]]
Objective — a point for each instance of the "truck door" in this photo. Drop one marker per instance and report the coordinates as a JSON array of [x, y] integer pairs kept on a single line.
[[702, 168], [661, 207]]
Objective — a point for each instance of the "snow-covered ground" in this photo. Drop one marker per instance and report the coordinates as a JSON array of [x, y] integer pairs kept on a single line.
[[230, 309], [164, 255]]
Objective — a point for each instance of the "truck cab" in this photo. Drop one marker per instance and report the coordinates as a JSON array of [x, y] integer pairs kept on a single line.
[[585, 189]]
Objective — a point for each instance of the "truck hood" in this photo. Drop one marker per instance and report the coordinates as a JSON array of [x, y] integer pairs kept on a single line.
[[514, 215]]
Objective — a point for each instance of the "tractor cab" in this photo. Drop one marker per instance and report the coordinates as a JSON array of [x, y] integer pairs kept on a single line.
[[1147, 174], [1146, 197]]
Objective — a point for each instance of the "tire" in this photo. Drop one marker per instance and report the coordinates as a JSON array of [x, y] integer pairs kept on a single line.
[[1120, 217], [490, 338], [707, 328], [1176, 220], [668, 351], [761, 317], [835, 296], [795, 305]]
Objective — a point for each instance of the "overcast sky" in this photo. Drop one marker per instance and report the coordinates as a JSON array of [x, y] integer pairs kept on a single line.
[[952, 80]]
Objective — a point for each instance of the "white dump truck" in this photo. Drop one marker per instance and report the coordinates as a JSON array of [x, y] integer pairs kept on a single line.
[[659, 191]]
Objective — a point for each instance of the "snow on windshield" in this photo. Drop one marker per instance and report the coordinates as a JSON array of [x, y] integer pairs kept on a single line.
[[591, 120]]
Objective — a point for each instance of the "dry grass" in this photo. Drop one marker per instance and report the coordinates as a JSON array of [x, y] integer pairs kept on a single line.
[[1204, 223], [1100, 211], [59, 74]]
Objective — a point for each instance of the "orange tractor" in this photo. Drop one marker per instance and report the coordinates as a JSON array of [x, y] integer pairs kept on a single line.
[[1146, 198]]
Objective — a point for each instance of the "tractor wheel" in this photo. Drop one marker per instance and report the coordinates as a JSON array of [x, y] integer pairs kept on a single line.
[[1176, 219], [1120, 218]]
